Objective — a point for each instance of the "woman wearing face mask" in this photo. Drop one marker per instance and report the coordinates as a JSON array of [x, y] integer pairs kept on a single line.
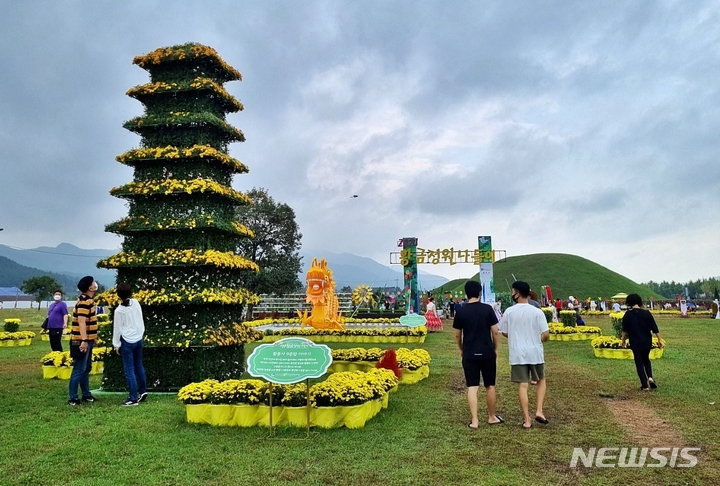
[[57, 321]]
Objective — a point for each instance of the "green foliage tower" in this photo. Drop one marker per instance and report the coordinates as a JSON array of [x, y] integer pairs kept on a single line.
[[181, 234]]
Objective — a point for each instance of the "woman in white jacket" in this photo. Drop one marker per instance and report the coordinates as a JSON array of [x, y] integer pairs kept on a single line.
[[128, 332]]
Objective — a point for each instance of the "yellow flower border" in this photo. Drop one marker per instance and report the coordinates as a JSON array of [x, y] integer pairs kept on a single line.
[[183, 295], [199, 83], [200, 221], [182, 118], [183, 52], [178, 186], [173, 257], [172, 152]]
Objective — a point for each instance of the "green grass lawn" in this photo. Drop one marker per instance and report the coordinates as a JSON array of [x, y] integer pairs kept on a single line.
[[421, 438]]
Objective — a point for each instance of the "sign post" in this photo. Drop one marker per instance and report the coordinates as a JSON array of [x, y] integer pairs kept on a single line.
[[287, 361], [487, 257]]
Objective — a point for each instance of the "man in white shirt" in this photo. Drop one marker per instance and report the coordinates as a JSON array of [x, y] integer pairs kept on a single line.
[[526, 328]]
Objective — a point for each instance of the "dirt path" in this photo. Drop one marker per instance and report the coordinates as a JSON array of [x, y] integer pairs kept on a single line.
[[643, 425]]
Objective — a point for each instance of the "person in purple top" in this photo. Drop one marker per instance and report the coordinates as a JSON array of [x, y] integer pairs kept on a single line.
[[57, 320]]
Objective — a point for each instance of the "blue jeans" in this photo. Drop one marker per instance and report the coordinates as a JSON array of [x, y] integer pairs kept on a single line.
[[134, 370], [81, 373]]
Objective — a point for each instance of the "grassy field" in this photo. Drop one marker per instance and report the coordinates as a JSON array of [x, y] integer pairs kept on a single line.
[[421, 438], [566, 275]]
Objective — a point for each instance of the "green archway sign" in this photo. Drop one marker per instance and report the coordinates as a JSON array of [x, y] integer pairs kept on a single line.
[[289, 360], [412, 320]]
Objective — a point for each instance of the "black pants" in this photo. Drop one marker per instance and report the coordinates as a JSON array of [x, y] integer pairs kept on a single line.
[[55, 339], [642, 365]]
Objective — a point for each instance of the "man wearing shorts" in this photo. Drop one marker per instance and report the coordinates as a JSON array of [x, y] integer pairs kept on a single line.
[[476, 333], [526, 328]]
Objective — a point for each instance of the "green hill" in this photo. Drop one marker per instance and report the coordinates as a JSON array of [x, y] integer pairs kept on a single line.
[[13, 274], [565, 274]]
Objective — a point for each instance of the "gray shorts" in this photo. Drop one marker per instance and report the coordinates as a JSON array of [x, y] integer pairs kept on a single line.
[[527, 373]]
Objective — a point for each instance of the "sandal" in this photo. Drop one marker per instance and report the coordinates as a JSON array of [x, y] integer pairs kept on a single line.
[[526, 428], [500, 420]]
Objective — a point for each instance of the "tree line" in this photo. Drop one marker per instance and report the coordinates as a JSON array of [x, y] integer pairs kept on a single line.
[[706, 288]]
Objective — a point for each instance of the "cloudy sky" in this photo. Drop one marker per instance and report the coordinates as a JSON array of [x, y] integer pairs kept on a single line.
[[586, 128]]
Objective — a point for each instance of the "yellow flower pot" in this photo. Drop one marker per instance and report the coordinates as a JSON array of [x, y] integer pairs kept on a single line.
[[44, 337], [245, 415], [9, 342], [356, 416], [263, 415], [50, 372], [195, 413], [221, 415], [64, 372], [410, 377], [574, 336], [609, 353], [325, 417], [97, 368], [296, 416], [250, 415]]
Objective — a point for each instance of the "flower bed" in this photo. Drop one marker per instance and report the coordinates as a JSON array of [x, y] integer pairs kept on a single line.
[[558, 332], [414, 363], [345, 399], [609, 347], [19, 338], [59, 364], [294, 321], [370, 335]]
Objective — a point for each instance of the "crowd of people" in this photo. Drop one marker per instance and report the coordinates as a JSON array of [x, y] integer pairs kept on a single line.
[[478, 329]]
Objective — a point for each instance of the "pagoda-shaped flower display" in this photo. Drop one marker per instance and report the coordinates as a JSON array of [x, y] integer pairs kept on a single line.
[[181, 234]]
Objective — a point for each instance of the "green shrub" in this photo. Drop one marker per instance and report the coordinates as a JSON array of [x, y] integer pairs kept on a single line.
[[11, 325], [616, 320], [567, 317]]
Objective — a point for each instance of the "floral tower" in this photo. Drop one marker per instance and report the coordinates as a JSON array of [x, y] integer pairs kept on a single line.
[[181, 235]]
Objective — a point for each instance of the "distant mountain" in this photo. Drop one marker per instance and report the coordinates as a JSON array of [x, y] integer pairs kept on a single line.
[[13, 275], [565, 274], [63, 259], [352, 270], [348, 269]]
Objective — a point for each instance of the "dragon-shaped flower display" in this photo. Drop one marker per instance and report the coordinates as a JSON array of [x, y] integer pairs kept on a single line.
[[321, 294]]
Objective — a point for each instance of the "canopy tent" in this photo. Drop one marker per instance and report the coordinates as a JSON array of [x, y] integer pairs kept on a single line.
[[621, 295]]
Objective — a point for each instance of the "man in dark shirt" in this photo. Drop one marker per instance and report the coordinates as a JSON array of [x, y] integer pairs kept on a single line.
[[476, 333], [639, 325]]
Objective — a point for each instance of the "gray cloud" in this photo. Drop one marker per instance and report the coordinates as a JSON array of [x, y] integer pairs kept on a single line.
[[564, 112]]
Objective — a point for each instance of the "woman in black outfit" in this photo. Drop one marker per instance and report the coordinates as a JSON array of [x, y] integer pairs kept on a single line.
[[638, 325]]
